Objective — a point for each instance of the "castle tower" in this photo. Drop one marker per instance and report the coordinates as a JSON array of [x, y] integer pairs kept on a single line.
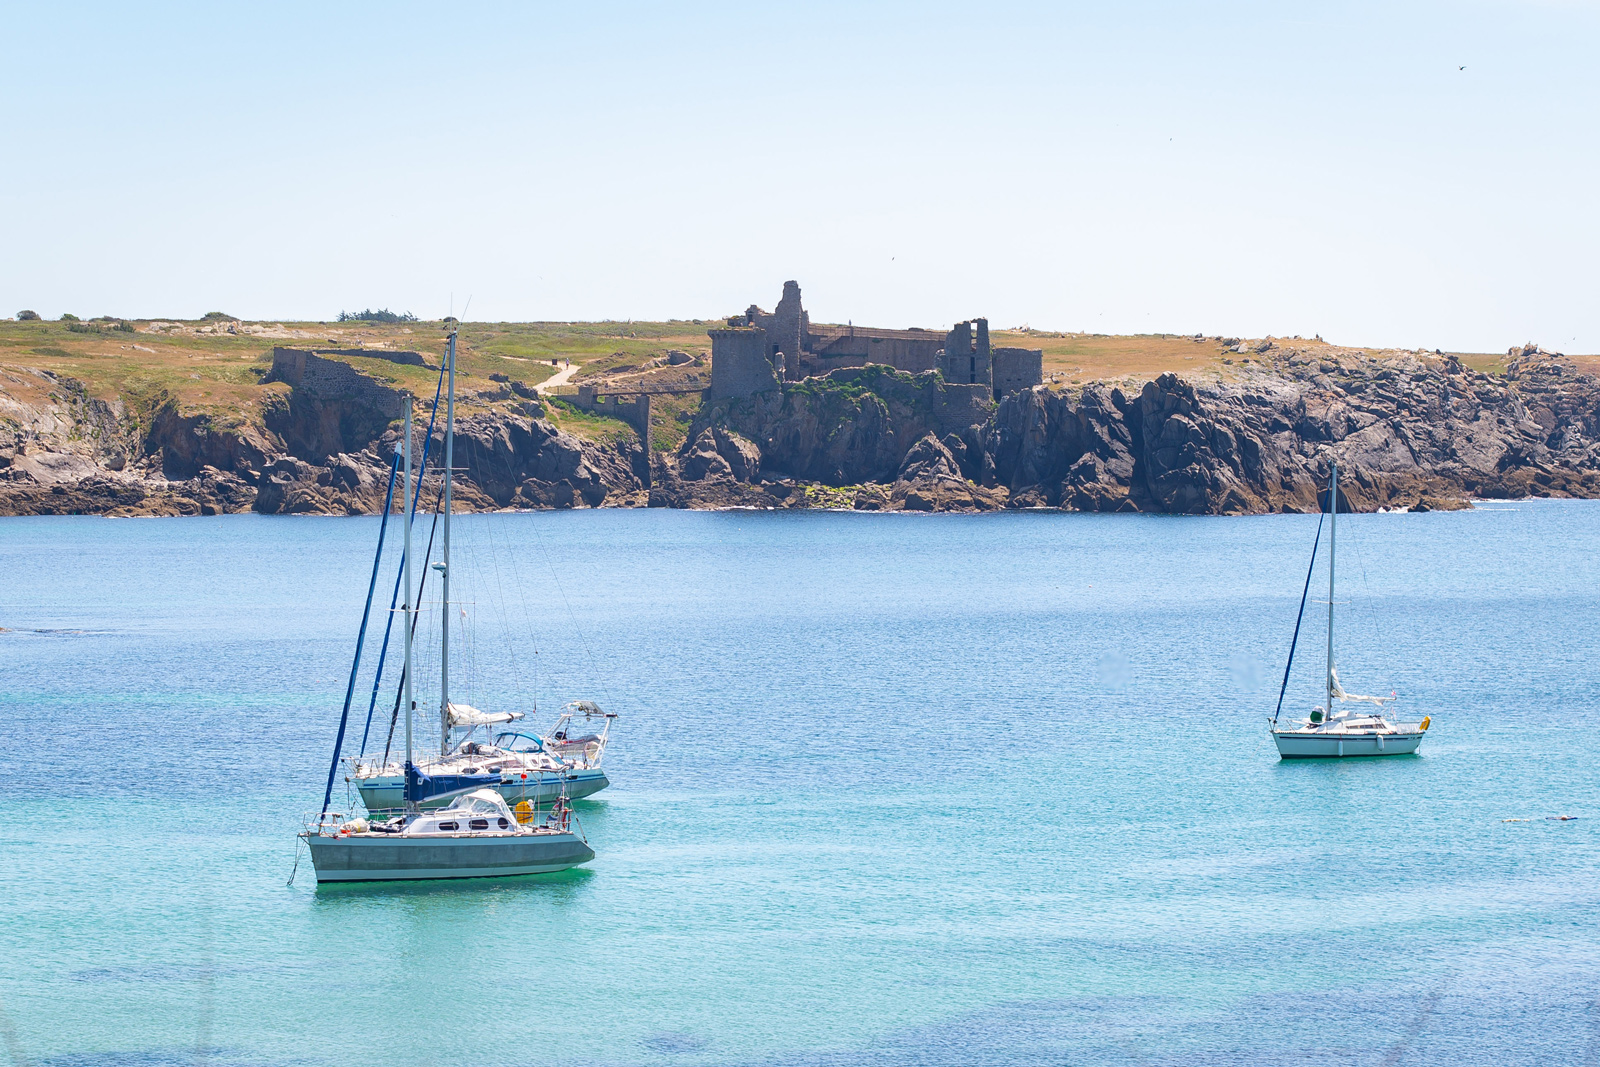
[[787, 331]]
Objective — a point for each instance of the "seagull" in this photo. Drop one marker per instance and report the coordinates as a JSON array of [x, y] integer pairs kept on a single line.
[[1462, 67]]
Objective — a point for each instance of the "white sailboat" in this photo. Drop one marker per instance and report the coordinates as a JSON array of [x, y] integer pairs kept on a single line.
[[477, 835], [525, 768], [1331, 731]]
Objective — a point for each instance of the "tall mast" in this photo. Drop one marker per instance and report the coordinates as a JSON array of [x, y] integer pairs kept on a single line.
[[406, 620], [444, 627], [1333, 558]]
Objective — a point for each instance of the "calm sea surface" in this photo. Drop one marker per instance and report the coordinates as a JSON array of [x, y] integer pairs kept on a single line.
[[886, 790]]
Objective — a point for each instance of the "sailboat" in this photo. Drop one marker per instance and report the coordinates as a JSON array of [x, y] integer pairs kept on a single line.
[[1329, 731], [477, 835], [525, 768]]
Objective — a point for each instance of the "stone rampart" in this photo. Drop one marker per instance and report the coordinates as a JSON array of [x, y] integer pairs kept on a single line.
[[740, 365], [1016, 369], [959, 406], [330, 379]]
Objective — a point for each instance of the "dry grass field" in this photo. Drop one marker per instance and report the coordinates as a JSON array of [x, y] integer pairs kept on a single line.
[[215, 366]]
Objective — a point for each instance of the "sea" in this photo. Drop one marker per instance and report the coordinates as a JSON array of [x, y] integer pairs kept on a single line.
[[886, 790]]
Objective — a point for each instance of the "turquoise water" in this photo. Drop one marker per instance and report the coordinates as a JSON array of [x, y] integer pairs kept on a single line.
[[887, 790]]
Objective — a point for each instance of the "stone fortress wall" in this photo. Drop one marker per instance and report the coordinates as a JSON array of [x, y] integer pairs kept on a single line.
[[310, 374], [758, 350]]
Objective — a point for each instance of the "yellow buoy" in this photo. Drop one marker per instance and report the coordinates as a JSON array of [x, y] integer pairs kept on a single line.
[[524, 812], [1426, 719]]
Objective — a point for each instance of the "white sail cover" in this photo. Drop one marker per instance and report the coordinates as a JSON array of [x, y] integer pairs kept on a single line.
[[467, 715], [1340, 694]]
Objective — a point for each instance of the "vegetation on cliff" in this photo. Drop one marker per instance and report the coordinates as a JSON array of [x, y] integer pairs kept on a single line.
[[165, 417]]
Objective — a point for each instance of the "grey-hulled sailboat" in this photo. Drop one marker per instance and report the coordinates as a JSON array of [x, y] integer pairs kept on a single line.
[[477, 835], [1327, 732]]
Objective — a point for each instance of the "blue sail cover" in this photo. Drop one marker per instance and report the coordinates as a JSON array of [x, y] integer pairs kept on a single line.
[[424, 787]]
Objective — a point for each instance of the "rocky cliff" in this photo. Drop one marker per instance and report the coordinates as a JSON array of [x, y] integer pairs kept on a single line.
[[310, 452], [1407, 430]]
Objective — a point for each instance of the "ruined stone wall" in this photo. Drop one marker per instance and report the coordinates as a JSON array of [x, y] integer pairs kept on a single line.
[[332, 407], [740, 365], [786, 332], [634, 411], [411, 359], [329, 379], [967, 361], [908, 354], [961, 406], [1016, 369]]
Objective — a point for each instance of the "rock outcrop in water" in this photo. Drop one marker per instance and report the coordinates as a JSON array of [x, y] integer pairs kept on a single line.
[[1405, 433], [1407, 430]]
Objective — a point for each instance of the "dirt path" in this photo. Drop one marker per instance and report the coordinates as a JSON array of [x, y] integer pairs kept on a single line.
[[560, 377]]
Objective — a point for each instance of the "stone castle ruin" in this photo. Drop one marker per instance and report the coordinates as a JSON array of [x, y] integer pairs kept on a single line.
[[759, 350]]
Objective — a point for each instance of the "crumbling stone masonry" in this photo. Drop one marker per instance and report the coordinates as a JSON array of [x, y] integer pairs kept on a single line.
[[965, 361], [1016, 369], [792, 349], [741, 364]]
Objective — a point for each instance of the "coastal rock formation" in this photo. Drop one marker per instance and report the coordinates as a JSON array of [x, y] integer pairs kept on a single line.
[[62, 452], [1408, 430], [1405, 433]]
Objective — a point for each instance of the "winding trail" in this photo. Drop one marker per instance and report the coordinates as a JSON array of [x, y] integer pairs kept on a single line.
[[560, 377]]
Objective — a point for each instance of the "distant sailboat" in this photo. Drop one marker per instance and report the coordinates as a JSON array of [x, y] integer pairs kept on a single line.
[[1327, 732], [477, 835]]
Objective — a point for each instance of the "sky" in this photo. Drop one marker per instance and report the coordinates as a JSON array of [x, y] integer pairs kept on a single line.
[[1406, 174]]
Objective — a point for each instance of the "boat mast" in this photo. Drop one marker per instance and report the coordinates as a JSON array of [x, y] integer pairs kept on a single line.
[[444, 627], [410, 703], [1333, 557]]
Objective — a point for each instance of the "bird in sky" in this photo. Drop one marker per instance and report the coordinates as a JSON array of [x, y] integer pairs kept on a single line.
[[1462, 67]]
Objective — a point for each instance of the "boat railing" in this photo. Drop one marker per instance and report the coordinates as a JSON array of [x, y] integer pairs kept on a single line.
[[324, 823]]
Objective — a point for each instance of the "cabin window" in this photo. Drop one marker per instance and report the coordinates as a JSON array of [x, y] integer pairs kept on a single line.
[[503, 823], [449, 826], [479, 824]]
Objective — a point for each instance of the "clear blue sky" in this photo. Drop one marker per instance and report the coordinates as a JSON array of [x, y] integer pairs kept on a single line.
[[1245, 168]]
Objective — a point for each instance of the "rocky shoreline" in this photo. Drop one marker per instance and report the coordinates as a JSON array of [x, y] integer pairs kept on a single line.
[[1409, 430]]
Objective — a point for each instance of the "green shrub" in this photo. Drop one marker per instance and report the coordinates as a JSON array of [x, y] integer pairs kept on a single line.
[[27, 316], [381, 315], [218, 316], [82, 327], [125, 327], [69, 317]]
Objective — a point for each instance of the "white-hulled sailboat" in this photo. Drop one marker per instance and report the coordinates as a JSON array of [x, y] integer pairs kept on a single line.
[[1344, 732], [477, 835]]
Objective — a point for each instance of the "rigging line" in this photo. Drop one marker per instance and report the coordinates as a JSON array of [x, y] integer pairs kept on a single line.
[[527, 619], [490, 524], [583, 638], [400, 687], [497, 601], [361, 637], [399, 574], [1300, 617]]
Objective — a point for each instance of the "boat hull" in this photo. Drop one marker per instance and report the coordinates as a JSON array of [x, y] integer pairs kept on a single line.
[[386, 794], [389, 858], [1311, 745]]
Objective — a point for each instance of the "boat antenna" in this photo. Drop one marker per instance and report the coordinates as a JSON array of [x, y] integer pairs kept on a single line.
[[449, 470], [406, 622], [1294, 641], [1333, 557]]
